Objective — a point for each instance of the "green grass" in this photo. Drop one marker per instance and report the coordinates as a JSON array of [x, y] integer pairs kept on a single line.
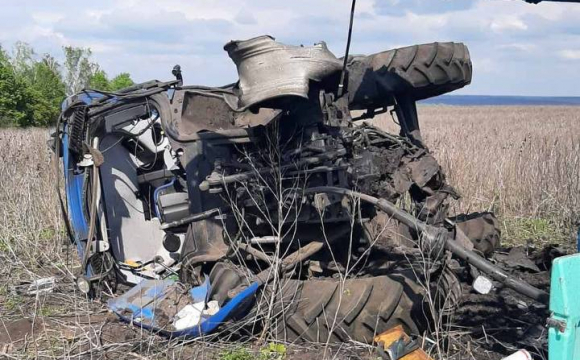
[[522, 230], [272, 351], [237, 354]]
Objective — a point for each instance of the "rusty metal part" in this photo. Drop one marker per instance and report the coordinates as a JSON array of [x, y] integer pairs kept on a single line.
[[288, 262], [257, 254], [285, 265], [482, 229], [195, 111], [269, 70]]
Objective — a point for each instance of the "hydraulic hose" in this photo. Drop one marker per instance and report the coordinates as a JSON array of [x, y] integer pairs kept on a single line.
[[450, 244]]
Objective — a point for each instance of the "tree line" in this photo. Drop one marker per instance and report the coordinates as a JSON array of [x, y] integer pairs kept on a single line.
[[33, 86]]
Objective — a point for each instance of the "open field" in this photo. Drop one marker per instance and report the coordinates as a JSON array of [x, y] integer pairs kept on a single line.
[[521, 162]]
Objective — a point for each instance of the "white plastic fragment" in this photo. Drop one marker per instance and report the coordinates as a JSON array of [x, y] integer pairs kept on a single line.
[[189, 316], [519, 355], [482, 285], [212, 308], [37, 287]]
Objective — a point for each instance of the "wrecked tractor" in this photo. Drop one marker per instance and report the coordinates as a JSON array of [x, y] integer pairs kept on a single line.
[[270, 205]]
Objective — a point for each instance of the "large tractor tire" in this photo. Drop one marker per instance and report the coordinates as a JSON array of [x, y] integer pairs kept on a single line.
[[330, 310], [418, 72]]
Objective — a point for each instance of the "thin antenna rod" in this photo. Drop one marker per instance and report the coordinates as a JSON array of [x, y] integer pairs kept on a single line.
[[343, 74]]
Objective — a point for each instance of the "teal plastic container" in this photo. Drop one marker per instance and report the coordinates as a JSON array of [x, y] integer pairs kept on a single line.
[[563, 333]]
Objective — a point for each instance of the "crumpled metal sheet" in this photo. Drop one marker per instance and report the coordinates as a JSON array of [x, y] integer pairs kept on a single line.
[[423, 170], [268, 69], [518, 258]]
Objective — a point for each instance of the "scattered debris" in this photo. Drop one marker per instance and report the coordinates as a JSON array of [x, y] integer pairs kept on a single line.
[[36, 287], [395, 344], [482, 285], [501, 322], [518, 257], [189, 316], [519, 355], [251, 207]]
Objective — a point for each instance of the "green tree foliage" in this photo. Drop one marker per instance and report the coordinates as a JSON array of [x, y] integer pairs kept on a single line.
[[99, 81], [13, 95], [78, 69], [32, 87], [47, 91], [43, 85], [121, 81]]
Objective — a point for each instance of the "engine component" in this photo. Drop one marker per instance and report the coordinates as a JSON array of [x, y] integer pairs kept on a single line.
[[171, 242], [173, 206]]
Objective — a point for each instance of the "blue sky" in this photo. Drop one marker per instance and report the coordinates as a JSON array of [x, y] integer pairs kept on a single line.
[[517, 48]]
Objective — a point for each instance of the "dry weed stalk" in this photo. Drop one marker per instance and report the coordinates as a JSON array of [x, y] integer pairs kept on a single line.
[[521, 162]]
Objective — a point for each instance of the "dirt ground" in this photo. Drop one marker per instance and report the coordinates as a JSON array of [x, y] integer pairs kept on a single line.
[[485, 327], [497, 324]]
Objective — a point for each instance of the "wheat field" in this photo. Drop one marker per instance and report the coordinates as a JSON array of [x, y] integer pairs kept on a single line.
[[523, 163]]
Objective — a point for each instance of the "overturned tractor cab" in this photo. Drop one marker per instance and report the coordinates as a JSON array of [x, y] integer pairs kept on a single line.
[[268, 205]]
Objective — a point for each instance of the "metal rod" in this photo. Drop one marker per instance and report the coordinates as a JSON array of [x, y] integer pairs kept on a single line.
[[287, 263], [192, 218], [450, 244], [347, 51]]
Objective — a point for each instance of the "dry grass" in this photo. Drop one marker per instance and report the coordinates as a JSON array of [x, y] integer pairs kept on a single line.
[[521, 162]]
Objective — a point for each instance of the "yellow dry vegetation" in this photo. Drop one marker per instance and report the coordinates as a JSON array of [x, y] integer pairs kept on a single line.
[[522, 162]]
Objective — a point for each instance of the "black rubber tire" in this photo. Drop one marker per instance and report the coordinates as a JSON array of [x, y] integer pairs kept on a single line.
[[418, 71], [367, 307]]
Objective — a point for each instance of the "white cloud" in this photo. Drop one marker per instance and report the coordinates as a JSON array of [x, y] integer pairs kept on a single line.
[[47, 17], [147, 37], [570, 54], [504, 23], [524, 47]]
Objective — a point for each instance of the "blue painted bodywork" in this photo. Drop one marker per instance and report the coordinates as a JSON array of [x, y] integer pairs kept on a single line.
[[74, 182], [137, 306], [74, 196]]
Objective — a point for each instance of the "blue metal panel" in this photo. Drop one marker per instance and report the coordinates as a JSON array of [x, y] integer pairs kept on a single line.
[[138, 305], [74, 196]]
